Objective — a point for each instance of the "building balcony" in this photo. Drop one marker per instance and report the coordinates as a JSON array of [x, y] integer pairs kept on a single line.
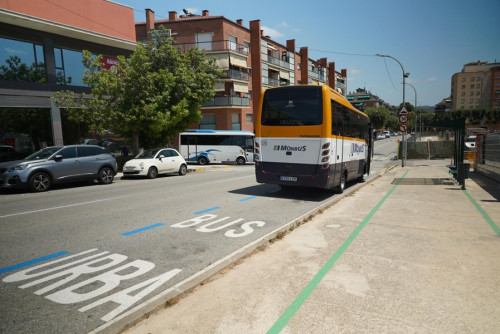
[[236, 75], [227, 101], [273, 82], [276, 61], [215, 46]]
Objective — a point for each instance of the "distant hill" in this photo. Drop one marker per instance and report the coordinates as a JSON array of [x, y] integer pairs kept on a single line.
[[427, 108]]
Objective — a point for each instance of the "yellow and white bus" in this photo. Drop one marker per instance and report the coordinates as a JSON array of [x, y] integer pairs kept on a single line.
[[310, 136]]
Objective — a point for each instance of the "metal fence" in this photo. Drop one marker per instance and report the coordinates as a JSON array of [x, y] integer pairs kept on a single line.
[[488, 155]]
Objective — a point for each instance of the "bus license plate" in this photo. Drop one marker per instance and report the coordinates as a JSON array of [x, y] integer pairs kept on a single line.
[[288, 178]]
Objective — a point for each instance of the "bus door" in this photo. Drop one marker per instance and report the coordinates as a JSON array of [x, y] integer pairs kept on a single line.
[[192, 148], [249, 142], [370, 150], [338, 159]]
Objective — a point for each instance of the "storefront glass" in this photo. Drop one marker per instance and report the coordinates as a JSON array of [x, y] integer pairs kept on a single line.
[[26, 130]]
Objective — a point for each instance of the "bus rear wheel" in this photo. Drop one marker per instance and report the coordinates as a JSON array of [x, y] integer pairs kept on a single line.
[[340, 188], [202, 160]]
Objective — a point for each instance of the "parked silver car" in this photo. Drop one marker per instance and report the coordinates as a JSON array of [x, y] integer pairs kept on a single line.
[[57, 164]]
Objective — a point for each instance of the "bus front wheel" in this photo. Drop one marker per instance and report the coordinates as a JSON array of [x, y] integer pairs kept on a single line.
[[240, 161]]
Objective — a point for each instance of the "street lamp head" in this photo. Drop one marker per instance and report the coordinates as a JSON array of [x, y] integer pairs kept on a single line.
[[407, 75], [379, 55]]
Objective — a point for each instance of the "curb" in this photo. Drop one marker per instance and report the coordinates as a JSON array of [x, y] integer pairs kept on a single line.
[[160, 301]]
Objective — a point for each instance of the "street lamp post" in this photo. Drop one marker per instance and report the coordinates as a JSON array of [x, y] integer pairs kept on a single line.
[[405, 75], [420, 120]]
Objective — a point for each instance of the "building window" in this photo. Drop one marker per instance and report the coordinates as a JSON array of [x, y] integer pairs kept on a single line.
[[208, 121], [249, 118], [235, 122], [22, 61], [233, 44], [471, 78], [204, 41], [69, 67], [463, 86], [472, 86]]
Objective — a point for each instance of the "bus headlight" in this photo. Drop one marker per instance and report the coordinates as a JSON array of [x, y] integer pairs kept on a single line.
[[325, 159], [256, 157]]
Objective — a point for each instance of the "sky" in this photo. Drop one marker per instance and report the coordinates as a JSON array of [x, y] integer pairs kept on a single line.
[[432, 39]]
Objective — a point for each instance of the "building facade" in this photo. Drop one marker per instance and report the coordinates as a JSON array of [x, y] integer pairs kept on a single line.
[[41, 45], [250, 60], [477, 86], [362, 99]]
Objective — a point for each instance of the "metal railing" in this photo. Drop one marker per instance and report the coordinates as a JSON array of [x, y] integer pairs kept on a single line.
[[235, 74], [277, 61], [224, 45], [221, 101]]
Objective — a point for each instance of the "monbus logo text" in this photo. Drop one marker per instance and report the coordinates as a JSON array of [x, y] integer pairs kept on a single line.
[[289, 148], [355, 148]]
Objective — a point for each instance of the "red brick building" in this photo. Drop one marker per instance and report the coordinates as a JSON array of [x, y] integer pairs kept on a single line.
[[251, 61]]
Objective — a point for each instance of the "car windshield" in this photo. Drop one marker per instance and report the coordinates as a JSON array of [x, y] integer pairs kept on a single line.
[[147, 154], [44, 153]]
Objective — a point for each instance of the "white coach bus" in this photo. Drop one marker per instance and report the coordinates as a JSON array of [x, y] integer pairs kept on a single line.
[[206, 146]]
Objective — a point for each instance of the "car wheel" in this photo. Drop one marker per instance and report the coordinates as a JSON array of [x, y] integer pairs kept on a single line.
[[202, 160], [152, 173], [340, 188], [240, 161], [105, 176], [183, 170], [39, 182]]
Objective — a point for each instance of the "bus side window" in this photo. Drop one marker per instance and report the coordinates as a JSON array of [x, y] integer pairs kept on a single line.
[[347, 122], [337, 120]]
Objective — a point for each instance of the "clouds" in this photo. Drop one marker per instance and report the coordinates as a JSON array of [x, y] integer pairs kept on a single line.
[[273, 33]]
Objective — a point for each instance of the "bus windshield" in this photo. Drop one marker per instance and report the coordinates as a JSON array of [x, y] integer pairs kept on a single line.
[[292, 106]]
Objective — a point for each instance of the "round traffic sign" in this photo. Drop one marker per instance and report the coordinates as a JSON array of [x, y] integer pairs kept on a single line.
[[403, 118], [403, 127]]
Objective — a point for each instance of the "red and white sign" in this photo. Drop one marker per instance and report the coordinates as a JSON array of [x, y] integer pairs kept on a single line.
[[403, 111], [403, 127], [403, 119], [109, 62]]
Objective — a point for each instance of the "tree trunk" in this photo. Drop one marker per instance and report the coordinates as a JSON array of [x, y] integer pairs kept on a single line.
[[135, 143]]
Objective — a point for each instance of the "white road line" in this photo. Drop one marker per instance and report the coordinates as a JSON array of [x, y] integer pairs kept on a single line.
[[62, 207]]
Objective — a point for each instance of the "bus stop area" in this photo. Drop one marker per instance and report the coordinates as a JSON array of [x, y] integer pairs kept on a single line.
[[408, 251]]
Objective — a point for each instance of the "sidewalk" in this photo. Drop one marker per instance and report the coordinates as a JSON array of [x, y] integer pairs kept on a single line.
[[408, 252]]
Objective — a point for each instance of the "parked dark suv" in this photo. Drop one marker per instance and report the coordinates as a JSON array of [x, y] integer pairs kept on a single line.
[[58, 164]]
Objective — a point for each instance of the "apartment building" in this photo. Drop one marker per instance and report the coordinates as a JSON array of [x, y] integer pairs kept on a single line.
[[41, 45], [250, 60], [362, 99], [477, 86]]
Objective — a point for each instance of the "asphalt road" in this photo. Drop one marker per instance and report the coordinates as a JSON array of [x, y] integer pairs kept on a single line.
[[82, 258]]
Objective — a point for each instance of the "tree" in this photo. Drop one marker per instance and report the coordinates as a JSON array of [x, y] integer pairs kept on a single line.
[[378, 116], [150, 96]]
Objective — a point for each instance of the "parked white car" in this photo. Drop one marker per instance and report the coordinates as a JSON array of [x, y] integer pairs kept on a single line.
[[155, 161]]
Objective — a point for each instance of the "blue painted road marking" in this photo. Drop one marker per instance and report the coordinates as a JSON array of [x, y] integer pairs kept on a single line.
[[207, 210], [30, 262], [126, 234], [247, 199]]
